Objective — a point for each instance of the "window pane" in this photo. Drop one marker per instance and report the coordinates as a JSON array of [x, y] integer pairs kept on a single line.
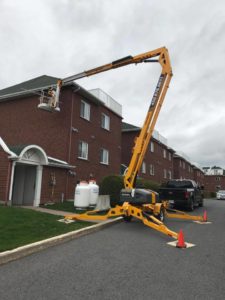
[[151, 170], [164, 173], [83, 150], [104, 156], [152, 146], [82, 109], [85, 110], [164, 153], [105, 121], [143, 167]]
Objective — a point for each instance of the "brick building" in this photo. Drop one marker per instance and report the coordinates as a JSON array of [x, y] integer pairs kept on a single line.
[[213, 183], [158, 163], [43, 154], [199, 176], [161, 162], [183, 168]]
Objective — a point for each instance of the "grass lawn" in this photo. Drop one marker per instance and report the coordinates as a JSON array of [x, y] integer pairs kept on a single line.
[[69, 206], [20, 226], [65, 206]]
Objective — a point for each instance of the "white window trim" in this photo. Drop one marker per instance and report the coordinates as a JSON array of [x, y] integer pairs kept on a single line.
[[82, 151], [87, 110], [102, 156], [106, 124]]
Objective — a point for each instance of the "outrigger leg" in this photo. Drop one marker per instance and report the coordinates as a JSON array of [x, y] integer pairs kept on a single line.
[[127, 210], [177, 214]]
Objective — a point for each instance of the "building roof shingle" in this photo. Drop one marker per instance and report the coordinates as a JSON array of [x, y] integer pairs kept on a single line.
[[129, 127], [35, 83], [41, 83]]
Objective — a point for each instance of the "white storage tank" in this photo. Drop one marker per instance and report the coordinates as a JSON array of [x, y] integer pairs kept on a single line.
[[94, 192], [82, 195]]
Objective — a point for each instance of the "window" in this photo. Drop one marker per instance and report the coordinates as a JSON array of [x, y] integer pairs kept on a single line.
[[151, 170], [184, 184], [105, 122], [183, 165], [143, 168], [164, 173], [170, 157], [104, 156], [164, 153], [152, 147], [169, 174], [85, 110], [83, 150]]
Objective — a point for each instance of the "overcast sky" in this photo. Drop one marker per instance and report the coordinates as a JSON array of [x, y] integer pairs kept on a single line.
[[64, 37]]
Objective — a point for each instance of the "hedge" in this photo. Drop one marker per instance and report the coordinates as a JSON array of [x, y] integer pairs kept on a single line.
[[113, 184]]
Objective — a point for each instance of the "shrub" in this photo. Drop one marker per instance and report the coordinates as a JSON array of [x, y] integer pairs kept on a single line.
[[147, 184], [111, 185], [208, 194], [212, 195]]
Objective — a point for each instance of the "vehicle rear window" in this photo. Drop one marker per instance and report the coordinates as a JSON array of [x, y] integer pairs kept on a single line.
[[179, 184]]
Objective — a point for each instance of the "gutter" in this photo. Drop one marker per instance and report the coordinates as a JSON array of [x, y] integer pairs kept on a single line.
[[24, 92]]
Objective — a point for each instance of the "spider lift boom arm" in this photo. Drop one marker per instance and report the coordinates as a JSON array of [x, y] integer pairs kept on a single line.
[[147, 212], [159, 55]]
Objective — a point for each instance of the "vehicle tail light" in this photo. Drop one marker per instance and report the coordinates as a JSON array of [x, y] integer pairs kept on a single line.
[[186, 195]]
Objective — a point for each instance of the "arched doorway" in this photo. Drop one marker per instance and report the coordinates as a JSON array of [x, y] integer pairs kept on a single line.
[[27, 175]]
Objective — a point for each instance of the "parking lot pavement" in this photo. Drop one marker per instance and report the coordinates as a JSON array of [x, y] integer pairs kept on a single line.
[[125, 261]]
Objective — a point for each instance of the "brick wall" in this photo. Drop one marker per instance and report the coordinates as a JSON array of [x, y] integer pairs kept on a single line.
[[199, 176], [4, 171], [97, 138], [50, 193], [213, 183], [183, 169], [162, 166], [22, 123]]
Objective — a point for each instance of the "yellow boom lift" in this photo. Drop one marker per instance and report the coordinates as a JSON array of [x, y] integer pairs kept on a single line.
[[139, 203]]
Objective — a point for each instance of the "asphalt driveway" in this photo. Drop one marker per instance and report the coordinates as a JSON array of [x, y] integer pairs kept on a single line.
[[126, 261]]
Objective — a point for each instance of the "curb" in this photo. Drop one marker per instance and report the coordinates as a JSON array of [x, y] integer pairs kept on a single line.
[[22, 251]]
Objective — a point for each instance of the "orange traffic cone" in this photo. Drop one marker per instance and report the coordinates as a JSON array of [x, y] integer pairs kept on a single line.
[[181, 243], [205, 216]]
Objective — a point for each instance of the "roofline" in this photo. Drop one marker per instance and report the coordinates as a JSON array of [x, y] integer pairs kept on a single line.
[[131, 129], [85, 93], [152, 137], [82, 91], [25, 92]]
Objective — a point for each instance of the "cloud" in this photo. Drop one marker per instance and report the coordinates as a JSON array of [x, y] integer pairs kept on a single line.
[[64, 37]]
